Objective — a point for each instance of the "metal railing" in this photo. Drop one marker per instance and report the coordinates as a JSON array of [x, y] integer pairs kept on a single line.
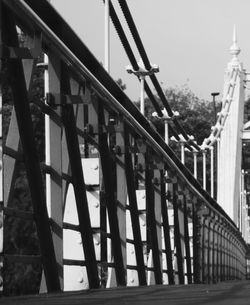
[[123, 209]]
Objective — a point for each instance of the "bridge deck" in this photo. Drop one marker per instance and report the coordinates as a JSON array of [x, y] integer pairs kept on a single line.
[[230, 293]]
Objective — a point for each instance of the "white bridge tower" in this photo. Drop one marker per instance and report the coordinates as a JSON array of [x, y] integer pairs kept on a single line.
[[229, 144]]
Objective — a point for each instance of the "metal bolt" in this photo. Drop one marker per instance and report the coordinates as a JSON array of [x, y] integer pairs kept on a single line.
[[95, 167]]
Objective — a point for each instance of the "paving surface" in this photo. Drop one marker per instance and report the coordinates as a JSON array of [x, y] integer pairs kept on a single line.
[[229, 293]]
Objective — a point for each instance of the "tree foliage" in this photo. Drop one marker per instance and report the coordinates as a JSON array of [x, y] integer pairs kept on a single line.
[[195, 114]]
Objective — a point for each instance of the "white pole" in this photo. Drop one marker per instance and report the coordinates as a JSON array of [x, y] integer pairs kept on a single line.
[[218, 170], [212, 170], [142, 105], [166, 132], [195, 164], [204, 169], [47, 137], [183, 152], [107, 37], [240, 220]]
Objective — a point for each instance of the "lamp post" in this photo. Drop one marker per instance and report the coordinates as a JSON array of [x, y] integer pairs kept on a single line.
[[214, 94], [142, 72]]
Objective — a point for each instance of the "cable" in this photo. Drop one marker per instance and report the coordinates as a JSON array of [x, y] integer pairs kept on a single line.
[[131, 56], [140, 47]]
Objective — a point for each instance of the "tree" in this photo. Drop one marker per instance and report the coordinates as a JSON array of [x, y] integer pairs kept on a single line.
[[195, 116]]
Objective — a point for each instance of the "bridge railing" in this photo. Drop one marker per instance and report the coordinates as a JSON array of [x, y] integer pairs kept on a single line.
[[118, 207]]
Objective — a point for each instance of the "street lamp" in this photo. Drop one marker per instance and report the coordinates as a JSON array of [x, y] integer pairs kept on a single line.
[[142, 72], [214, 94]]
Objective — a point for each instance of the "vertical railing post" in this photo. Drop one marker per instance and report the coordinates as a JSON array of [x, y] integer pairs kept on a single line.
[[205, 245], [218, 265], [227, 256], [212, 171], [166, 230], [187, 240], [233, 258], [153, 207], [54, 161], [210, 252], [215, 250], [223, 254], [140, 175], [134, 213], [218, 169], [121, 186], [204, 169], [177, 235], [230, 256], [197, 242]]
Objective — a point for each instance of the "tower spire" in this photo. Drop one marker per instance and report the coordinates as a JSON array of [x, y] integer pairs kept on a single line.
[[235, 49]]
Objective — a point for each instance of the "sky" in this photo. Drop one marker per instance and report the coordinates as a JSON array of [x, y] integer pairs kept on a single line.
[[188, 39]]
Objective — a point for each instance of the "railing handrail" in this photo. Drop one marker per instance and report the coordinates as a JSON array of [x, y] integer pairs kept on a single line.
[[77, 55]]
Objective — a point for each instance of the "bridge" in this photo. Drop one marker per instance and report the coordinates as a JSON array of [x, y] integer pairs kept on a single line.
[[114, 212]]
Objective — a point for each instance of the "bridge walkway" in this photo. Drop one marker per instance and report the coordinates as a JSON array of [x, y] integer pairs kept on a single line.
[[230, 293]]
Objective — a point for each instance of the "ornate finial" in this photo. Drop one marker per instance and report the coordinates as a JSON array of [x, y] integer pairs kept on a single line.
[[235, 49]]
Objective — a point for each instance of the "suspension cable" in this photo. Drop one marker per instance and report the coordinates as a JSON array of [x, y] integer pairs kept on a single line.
[[129, 19], [132, 59], [131, 56]]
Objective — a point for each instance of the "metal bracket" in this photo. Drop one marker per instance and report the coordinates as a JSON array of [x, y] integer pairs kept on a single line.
[[59, 100]]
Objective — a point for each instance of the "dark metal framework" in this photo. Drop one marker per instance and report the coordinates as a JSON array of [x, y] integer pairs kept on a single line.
[[178, 235]]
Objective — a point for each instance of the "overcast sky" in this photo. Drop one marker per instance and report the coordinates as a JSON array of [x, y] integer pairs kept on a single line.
[[188, 39]]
